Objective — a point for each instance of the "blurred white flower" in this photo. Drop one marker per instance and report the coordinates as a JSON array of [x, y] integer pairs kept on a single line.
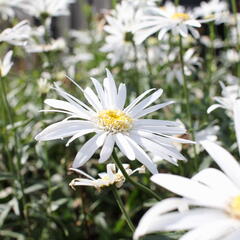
[[191, 62], [214, 195], [54, 45], [43, 85], [17, 35], [106, 179], [45, 8], [214, 9], [164, 19], [114, 124], [7, 8], [209, 133], [230, 94], [6, 64], [119, 42]]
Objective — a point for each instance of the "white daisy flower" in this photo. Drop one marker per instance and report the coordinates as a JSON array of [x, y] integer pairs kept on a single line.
[[6, 64], [215, 196], [7, 8], [113, 124], [51, 8], [119, 41], [164, 19], [106, 179], [214, 9], [17, 35]]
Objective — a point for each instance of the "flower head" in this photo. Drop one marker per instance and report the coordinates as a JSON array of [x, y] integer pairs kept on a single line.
[[164, 19], [113, 124], [106, 179], [214, 194]]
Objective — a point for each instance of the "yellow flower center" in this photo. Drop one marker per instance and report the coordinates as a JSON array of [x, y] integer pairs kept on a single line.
[[114, 121], [180, 16], [235, 207]]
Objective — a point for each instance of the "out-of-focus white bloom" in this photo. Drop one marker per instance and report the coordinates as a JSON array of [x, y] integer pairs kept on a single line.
[[216, 43], [143, 3], [230, 94], [119, 42], [113, 124], [7, 8], [45, 8], [106, 179], [208, 133], [6, 64], [17, 35], [191, 62], [215, 196], [230, 56], [43, 85], [54, 45], [214, 9], [164, 19]]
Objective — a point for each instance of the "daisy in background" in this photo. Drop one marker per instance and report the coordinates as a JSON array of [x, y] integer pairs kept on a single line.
[[7, 8], [106, 179], [164, 19], [17, 35], [213, 195], [119, 43], [6, 64], [45, 8], [214, 9], [114, 124]]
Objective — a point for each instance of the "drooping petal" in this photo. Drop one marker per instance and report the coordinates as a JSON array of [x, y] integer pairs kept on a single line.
[[107, 148], [224, 160], [63, 129], [236, 118], [124, 146], [88, 149]]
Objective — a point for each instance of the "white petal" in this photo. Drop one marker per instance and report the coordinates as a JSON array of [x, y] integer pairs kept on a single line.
[[142, 157], [190, 189], [92, 99], [224, 160], [59, 104], [88, 149], [213, 107], [107, 149], [63, 129], [212, 231], [99, 90], [124, 146], [234, 236], [236, 117], [218, 181], [79, 134], [146, 102], [152, 109], [136, 100], [121, 97]]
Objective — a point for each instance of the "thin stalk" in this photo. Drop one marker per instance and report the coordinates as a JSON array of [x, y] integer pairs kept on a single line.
[[121, 206], [186, 97], [128, 178], [176, 2], [149, 66]]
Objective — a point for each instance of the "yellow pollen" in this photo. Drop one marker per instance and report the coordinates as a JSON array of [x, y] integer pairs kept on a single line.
[[114, 121], [180, 16], [235, 207]]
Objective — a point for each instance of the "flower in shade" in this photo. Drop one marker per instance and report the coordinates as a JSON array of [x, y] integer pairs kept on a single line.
[[6, 64], [215, 196], [114, 124], [106, 179], [164, 19], [17, 35]]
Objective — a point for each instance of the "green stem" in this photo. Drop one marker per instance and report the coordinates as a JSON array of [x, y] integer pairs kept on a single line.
[[186, 97], [128, 178], [121, 206]]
